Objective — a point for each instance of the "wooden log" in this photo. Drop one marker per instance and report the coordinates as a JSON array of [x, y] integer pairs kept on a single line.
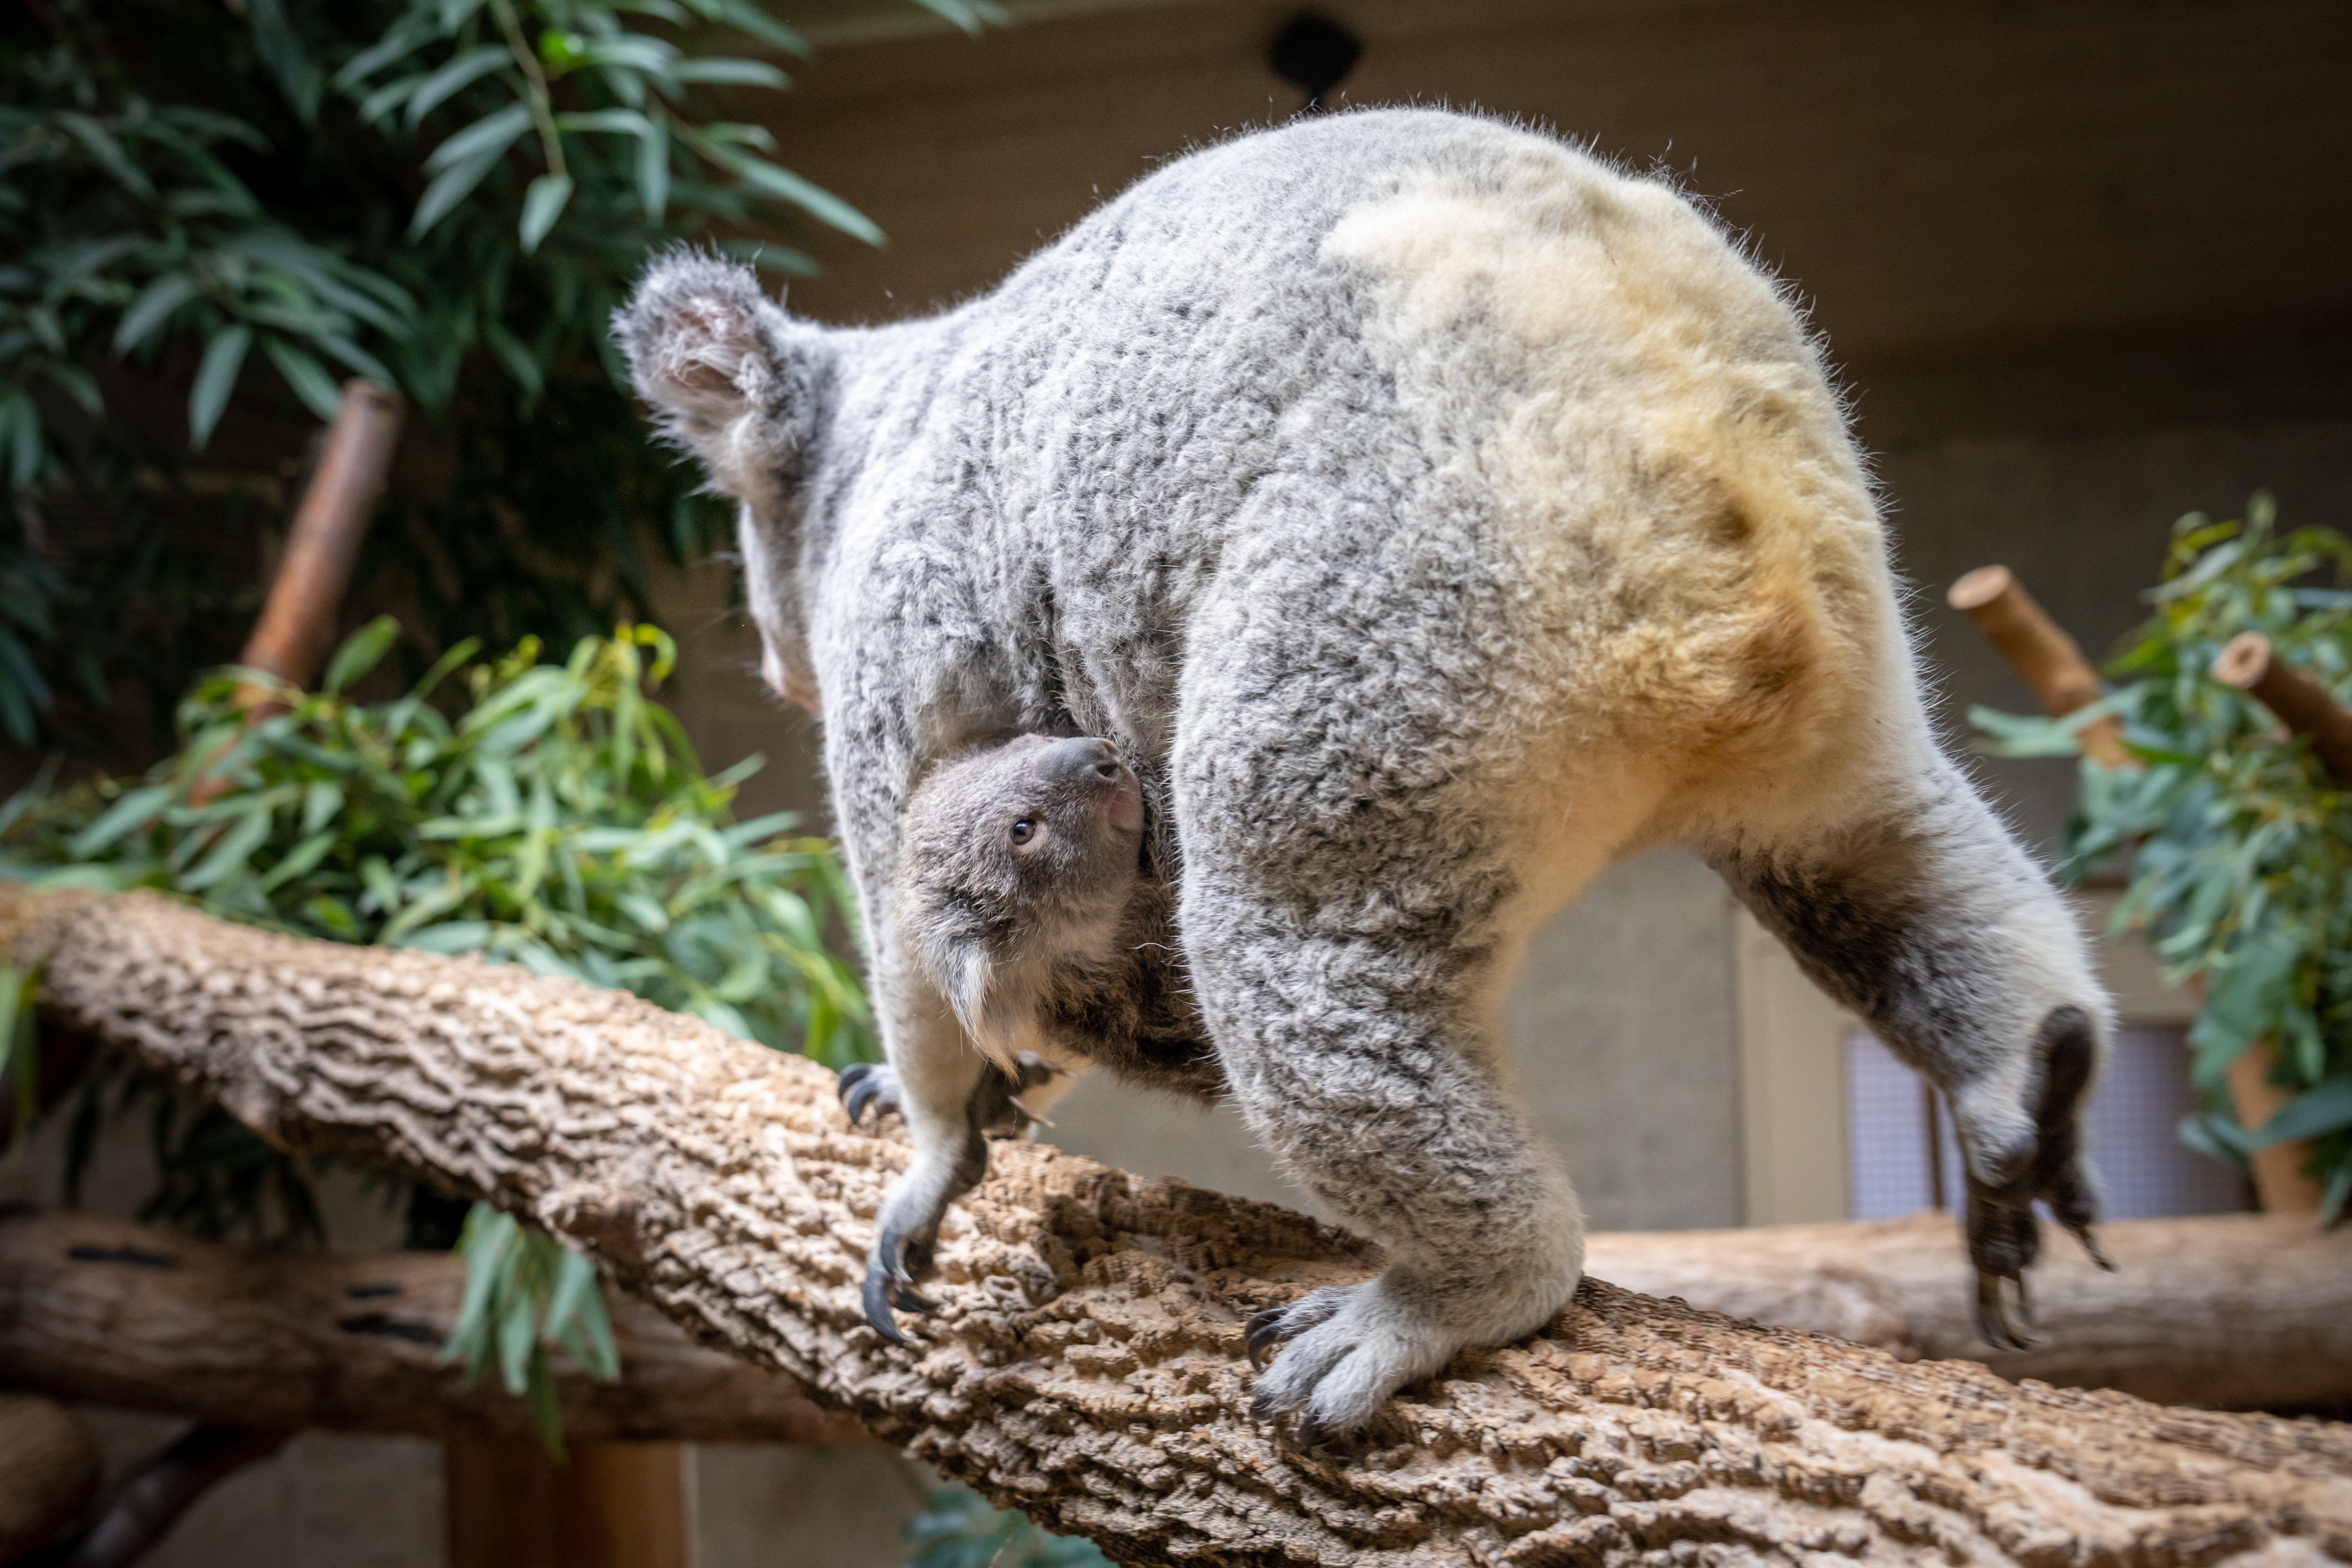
[[297, 627], [49, 1472], [2306, 707], [1085, 1364], [508, 1504], [117, 1313], [2052, 664], [2232, 1311]]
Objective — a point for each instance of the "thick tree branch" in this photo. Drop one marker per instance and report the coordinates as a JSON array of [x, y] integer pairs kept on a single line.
[[117, 1313], [2235, 1311], [1087, 1362]]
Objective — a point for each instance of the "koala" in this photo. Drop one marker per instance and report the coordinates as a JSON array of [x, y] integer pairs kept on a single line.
[[1429, 514], [1024, 899]]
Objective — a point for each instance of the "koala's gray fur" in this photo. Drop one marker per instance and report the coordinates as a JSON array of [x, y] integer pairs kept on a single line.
[[1431, 514]]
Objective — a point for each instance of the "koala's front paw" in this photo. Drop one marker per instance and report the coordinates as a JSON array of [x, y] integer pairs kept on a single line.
[[2007, 1173], [1348, 1348], [864, 1084]]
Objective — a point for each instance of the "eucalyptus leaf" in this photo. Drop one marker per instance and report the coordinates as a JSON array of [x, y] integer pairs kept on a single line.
[[215, 379], [360, 652], [444, 83], [306, 375], [542, 206]]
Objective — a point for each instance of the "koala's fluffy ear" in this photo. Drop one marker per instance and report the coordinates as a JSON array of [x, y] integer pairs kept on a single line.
[[731, 376]]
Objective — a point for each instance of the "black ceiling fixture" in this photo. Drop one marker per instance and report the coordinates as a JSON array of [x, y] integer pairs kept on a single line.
[[1315, 53]]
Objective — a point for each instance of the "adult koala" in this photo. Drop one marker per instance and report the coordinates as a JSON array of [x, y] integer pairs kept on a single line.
[[1431, 514]]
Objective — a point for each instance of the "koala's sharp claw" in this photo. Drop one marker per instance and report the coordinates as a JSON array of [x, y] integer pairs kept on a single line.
[[1264, 1333], [877, 1303], [907, 1298], [864, 1084], [1992, 1316]]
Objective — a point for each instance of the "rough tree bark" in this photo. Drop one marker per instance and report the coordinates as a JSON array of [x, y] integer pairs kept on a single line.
[[1085, 1364], [2235, 1311], [116, 1314]]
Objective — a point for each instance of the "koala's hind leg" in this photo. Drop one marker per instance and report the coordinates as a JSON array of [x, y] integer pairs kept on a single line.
[[1907, 901], [953, 1102], [1352, 907]]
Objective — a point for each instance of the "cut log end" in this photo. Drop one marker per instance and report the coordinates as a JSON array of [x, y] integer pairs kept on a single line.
[[1980, 588], [2244, 661]]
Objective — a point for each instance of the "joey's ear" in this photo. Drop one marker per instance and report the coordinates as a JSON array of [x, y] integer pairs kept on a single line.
[[732, 379]]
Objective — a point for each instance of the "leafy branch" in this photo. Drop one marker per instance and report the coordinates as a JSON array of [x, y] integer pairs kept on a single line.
[[2241, 840], [559, 822]]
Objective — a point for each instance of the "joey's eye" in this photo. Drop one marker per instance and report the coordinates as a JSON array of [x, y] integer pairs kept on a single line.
[[1023, 831]]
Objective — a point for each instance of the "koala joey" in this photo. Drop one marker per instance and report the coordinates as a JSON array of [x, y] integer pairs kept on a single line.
[[1429, 514]]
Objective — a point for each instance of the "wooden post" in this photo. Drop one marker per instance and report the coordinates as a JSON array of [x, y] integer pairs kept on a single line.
[[615, 1505], [2301, 704], [510, 1504], [2051, 662], [2305, 708], [297, 623], [297, 620], [49, 1472]]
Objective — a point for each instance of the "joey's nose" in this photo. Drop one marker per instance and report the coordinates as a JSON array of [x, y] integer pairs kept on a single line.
[[1072, 761]]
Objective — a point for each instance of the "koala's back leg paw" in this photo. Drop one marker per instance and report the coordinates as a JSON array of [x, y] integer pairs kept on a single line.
[[1925, 918]]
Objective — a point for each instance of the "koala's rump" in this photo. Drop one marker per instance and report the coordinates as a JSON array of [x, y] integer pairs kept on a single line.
[[1464, 395]]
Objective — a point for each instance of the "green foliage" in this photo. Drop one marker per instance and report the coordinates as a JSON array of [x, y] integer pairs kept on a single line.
[[524, 1292], [957, 1529], [559, 822], [2240, 840], [239, 204]]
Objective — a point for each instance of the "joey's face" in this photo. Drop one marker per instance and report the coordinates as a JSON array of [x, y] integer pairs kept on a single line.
[[1021, 852]]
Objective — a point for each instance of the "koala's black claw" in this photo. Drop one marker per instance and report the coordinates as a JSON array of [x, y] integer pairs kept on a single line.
[[1311, 1432], [907, 1298], [1264, 1333], [877, 1303], [1992, 1316]]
